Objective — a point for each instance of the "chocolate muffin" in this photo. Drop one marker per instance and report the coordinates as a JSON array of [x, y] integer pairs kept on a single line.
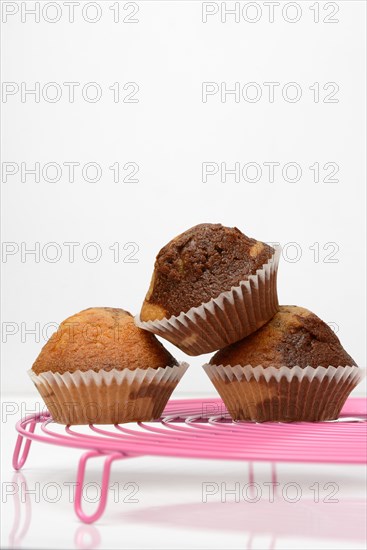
[[292, 368], [294, 336], [99, 367], [211, 286], [198, 265]]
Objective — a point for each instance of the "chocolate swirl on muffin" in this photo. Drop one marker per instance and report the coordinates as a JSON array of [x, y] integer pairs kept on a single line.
[[294, 336], [198, 265]]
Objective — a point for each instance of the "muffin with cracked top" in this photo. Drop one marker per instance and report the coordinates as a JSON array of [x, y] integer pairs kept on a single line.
[[100, 368], [211, 286], [293, 368]]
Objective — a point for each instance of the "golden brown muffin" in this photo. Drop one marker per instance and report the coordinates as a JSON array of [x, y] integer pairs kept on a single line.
[[100, 368], [101, 338], [294, 336], [198, 265], [294, 368]]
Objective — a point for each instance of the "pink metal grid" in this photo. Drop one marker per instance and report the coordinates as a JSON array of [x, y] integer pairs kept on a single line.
[[197, 428]]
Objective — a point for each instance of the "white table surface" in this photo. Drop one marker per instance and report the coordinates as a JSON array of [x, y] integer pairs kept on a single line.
[[170, 512]]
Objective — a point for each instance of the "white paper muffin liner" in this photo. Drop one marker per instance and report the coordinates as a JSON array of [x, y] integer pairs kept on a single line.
[[284, 394], [231, 316], [108, 397]]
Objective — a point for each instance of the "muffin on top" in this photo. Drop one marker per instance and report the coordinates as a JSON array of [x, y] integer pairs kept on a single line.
[[198, 265]]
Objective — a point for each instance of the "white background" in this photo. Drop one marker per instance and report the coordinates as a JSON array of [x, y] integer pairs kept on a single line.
[[169, 133], [169, 53]]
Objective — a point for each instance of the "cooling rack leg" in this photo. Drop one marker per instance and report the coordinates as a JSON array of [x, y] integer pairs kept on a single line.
[[104, 485], [18, 463]]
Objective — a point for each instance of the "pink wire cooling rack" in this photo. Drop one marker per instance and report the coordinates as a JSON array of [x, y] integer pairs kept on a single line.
[[197, 428]]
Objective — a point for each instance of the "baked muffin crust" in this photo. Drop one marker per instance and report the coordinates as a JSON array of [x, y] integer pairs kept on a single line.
[[198, 265], [294, 336], [101, 338]]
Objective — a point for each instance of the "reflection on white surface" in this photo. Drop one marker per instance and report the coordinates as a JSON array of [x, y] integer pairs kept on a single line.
[[22, 512], [262, 523], [87, 536], [345, 520]]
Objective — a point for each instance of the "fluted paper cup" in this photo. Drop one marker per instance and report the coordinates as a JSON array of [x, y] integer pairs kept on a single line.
[[284, 394], [108, 397], [231, 316]]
